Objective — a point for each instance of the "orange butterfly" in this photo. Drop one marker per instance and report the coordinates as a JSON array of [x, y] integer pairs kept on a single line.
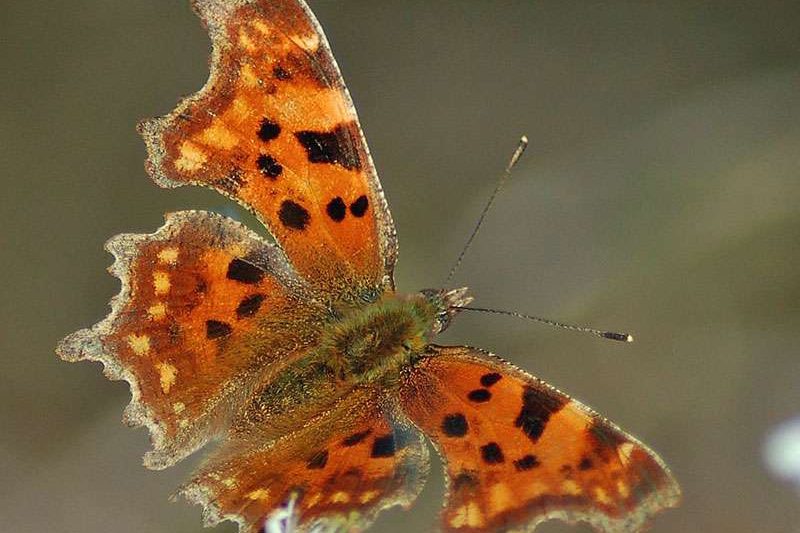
[[319, 380]]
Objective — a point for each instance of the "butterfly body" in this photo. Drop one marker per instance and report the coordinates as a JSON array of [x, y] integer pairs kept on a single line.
[[321, 384], [370, 344]]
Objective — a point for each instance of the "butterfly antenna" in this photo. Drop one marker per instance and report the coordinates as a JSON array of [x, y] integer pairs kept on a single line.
[[523, 143], [612, 335]]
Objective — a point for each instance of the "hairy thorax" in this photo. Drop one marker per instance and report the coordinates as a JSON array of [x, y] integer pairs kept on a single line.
[[361, 346], [371, 344]]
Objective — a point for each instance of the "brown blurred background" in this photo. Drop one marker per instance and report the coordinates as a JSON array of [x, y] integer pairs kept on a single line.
[[660, 195]]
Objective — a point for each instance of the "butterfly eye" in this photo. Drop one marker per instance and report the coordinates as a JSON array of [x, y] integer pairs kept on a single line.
[[446, 305]]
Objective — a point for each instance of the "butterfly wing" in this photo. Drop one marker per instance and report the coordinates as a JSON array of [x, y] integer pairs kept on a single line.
[[204, 302], [275, 129], [520, 452], [335, 473]]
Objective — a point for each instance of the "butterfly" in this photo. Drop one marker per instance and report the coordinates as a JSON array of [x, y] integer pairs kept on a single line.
[[320, 382]]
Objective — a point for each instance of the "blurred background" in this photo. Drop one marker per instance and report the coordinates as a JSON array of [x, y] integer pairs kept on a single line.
[[660, 195]]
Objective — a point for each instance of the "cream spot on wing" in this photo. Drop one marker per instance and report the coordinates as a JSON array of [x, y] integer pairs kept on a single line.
[[157, 311], [249, 77], [571, 487], [168, 255], [237, 250], [258, 494], [241, 109], [161, 282], [501, 497], [261, 27], [340, 497], [166, 375], [625, 451], [309, 43], [184, 423], [601, 496], [368, 496], [314, 499], [467, 515], [229, 482], [623, 489], [140, 344], [217, 134], [192, 157], [246, 41], [178, 407], [459, 518]]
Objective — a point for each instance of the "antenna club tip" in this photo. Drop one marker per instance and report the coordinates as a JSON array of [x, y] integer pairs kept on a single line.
[[621, 337], [523, 139]]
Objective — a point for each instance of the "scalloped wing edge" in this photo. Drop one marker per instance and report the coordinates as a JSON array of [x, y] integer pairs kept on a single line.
[[638, 520], [213, 14], [196, 494], [87, 344]]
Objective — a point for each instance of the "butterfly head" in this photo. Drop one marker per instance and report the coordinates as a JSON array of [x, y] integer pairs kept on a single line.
[[447, 304]]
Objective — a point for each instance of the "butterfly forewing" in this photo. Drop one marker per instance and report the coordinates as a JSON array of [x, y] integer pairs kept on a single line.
[[203, 301], [274, 128]]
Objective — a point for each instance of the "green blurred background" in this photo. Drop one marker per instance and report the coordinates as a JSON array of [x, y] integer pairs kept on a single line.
[[660, 195]]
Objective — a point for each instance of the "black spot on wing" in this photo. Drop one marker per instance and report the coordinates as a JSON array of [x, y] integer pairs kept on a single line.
[[174, 333], [280, 73], [249, 306], [538, 405], [356, 438], [487, 380], [244, 272], [268, 130], [216, 329], [336, 209], [269, 166], [336, 147], [585, 464], [318, 460], [383, 446], [293, 215], [455, 425], [479, 395], [359, 207], [492, 453], [527, 462]]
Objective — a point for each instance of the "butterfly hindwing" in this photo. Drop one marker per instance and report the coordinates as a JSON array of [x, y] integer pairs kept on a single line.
[[519, 452], [336, 472], [275, 129], [203, 302]]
